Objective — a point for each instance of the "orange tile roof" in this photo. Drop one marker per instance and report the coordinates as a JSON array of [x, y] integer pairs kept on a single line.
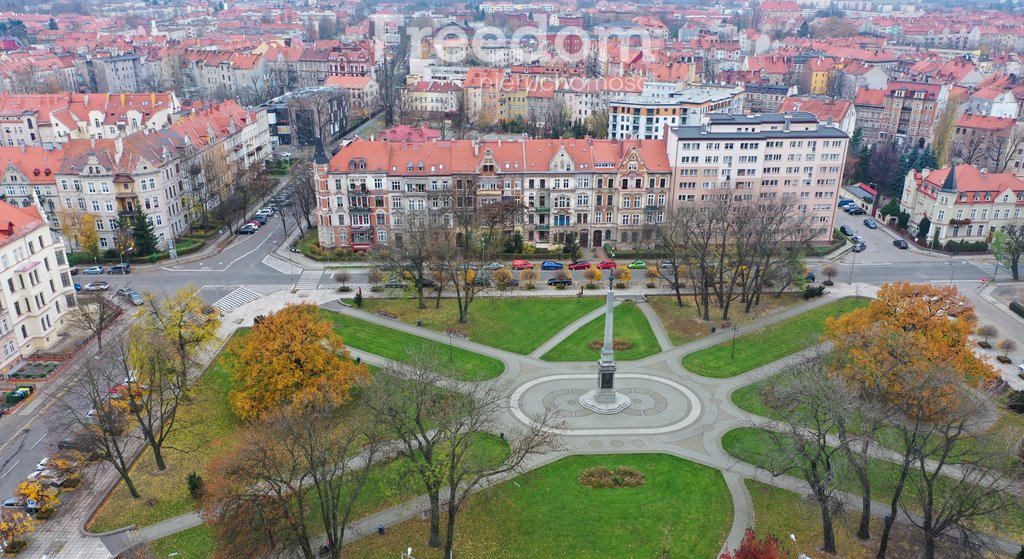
[[16, 222], [985, 122]]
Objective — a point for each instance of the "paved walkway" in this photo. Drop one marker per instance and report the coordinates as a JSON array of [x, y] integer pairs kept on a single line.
[[674, 411]]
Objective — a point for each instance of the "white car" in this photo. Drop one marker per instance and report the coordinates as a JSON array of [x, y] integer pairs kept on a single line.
[[42, 464], [265, 211]]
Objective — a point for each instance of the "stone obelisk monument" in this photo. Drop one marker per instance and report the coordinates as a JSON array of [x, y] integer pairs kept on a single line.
[[604, 399]]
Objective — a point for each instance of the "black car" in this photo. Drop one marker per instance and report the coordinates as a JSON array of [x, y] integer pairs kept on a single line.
[[427, 282], [870, 223], [560, 281], [261, 219], [847, 230], [854, 210], [119, 269], [900, 244]]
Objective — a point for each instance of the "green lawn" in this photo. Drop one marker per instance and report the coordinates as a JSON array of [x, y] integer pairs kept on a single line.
[[165, 494], [516, 325], [385, 487], [630, 325], [393, 344], [755, 446], [770, 343], [748, 398], [683, 510]]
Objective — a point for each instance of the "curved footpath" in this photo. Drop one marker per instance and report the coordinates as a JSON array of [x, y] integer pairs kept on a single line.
[[711, 414]]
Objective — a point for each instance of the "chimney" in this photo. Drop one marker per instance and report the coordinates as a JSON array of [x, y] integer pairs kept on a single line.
[[118, 149], [10, 228]]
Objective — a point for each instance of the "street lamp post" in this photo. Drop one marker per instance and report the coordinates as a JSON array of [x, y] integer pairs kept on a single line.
[[734, 342], [852, 266], [450, 345]]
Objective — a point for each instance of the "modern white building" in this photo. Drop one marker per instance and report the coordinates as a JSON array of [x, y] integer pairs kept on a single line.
[[661, 104]]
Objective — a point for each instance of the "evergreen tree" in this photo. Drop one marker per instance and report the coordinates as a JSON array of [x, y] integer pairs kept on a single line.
[[864, 164], [922, 229], [928, 159], [856, 139], [145, 238], [804, 30], [52, 24]]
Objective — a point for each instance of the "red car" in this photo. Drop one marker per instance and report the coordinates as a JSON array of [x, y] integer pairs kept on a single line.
[[579, 265], [607, 265], [522, 265]]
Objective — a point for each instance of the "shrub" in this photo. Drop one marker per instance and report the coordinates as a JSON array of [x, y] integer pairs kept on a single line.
[[15, 547], [195, 485], [600, 477], [1016, 401], [45, 514], [618, 344], [813, 291], [358, 299], [965, 246], [1017, 307], [376, 289]]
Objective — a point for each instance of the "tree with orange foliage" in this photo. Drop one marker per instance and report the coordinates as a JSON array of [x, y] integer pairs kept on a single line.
[[289, 359], [753, 548], [909, 327]]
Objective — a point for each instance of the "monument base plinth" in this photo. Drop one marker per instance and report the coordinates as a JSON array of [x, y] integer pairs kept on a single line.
[[604, 401]]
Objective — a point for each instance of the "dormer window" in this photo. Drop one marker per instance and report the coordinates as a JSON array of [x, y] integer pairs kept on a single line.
[[409, 167], [420, 167]]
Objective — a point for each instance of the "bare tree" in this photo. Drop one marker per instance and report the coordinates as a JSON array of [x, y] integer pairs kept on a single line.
[[104, 432], [438, 425], [302, 182], [390, 75], [414, 253], [94, 314], [292, 471], [813, 404]]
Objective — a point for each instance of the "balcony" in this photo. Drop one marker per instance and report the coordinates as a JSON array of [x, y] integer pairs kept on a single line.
[[543, 227], [542, 210]]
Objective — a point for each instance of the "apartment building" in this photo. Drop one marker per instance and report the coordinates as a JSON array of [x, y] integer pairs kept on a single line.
[[36, 290], [372, 192], [909, 110], [962, 202], [152, 173], [48, 120], [660, 105], [869, 105], [767, 156]]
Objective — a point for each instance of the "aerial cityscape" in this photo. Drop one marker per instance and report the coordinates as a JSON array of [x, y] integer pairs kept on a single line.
[[436, 280]]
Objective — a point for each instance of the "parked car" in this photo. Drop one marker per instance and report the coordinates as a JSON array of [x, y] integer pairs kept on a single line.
[[845, 202], [579, 265], [665, 264], [74, 270], [481, 281], [522, 265], [560, 281], [97, 286], [93, 270], [638, 265], [254, 222], [247, 229], [870, 223], [261, 219], [494, 266], [43, 464], [15, 503], [119, 269], [847, 230], [854, 210], [860, 247], [551, 265], [607, 265], [265, 211], [856, 239], [900, 244], [134, 296], [78, 287], [427, 282], [395, 283]]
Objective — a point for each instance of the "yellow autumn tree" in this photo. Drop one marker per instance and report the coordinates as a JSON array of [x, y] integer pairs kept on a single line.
[[910, 329], [86, 234], [290, 358], [13, 525], [45, 497], [623, 275]]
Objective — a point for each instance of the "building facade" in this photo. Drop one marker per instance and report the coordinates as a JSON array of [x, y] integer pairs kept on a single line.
[[962, 202], [787, 155], [37, 291]]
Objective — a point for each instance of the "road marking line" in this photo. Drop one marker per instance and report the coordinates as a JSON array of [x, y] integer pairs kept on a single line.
[[39, 441], [16, 462], [225, 268]]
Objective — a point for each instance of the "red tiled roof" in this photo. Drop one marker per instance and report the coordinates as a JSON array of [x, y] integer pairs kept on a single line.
[[985, 122], [870, 97], [16, 222], [823, 108]]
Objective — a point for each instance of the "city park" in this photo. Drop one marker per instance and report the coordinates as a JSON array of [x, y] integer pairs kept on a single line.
[[651, 433]]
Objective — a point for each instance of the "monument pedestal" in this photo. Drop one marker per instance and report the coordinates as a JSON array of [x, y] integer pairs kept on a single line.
[[604, 399]]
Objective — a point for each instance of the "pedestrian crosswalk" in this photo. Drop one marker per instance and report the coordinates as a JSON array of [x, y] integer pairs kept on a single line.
[[281, 266], [236, 299], [309, 279]]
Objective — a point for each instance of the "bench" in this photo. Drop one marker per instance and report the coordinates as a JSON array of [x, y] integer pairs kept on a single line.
[[387, 314]]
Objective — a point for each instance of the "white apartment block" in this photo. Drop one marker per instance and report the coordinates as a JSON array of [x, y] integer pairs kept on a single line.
[[662, 105], [36, 290], [767, 156]]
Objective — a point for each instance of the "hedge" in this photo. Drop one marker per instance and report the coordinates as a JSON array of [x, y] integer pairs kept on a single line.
[[966, 246], [1017, 307]]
